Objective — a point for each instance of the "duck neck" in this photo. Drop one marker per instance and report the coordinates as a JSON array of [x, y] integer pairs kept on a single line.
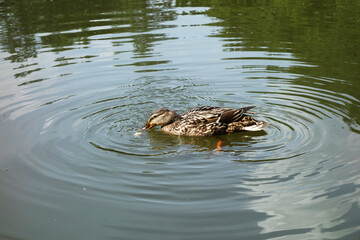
[[175, 117]]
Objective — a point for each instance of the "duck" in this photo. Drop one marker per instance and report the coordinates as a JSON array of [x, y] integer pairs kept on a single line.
[[205, 121]]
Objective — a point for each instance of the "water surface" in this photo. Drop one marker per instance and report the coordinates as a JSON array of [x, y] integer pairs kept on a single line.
[[77, 79]]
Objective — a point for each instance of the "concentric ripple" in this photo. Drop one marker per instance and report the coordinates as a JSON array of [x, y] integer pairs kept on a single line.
[[104, 124], [303, 120]]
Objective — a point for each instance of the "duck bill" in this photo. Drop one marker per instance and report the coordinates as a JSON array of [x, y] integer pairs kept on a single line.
[[147, 126]]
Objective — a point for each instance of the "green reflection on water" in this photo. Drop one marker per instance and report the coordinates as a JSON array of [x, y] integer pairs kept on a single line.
[[323, 33], [67, 23]]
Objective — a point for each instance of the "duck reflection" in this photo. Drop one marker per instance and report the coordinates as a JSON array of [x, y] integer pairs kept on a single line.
[[161, 141]]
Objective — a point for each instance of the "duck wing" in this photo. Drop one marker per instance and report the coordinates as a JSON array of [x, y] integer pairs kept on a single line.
[[233, 115], [202, 115], [206, 115]]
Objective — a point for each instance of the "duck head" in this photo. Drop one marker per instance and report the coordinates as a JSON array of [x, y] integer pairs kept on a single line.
[[161, 117]]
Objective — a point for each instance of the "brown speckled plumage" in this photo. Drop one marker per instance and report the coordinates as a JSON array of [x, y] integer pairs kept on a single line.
[[205, 121]]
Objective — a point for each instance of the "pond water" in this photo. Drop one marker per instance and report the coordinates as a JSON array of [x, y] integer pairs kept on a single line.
[[79, 78]]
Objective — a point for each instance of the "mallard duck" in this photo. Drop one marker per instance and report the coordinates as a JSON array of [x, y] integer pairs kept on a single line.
[[204, 121]]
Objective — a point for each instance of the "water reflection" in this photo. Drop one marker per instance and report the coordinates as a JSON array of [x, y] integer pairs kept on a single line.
[[287, 216], [241, 142]]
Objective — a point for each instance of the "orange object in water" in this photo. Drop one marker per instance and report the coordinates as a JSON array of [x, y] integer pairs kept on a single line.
[[219, 145]]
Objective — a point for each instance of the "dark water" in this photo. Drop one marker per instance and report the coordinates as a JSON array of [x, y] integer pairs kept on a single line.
[[78, 78]]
